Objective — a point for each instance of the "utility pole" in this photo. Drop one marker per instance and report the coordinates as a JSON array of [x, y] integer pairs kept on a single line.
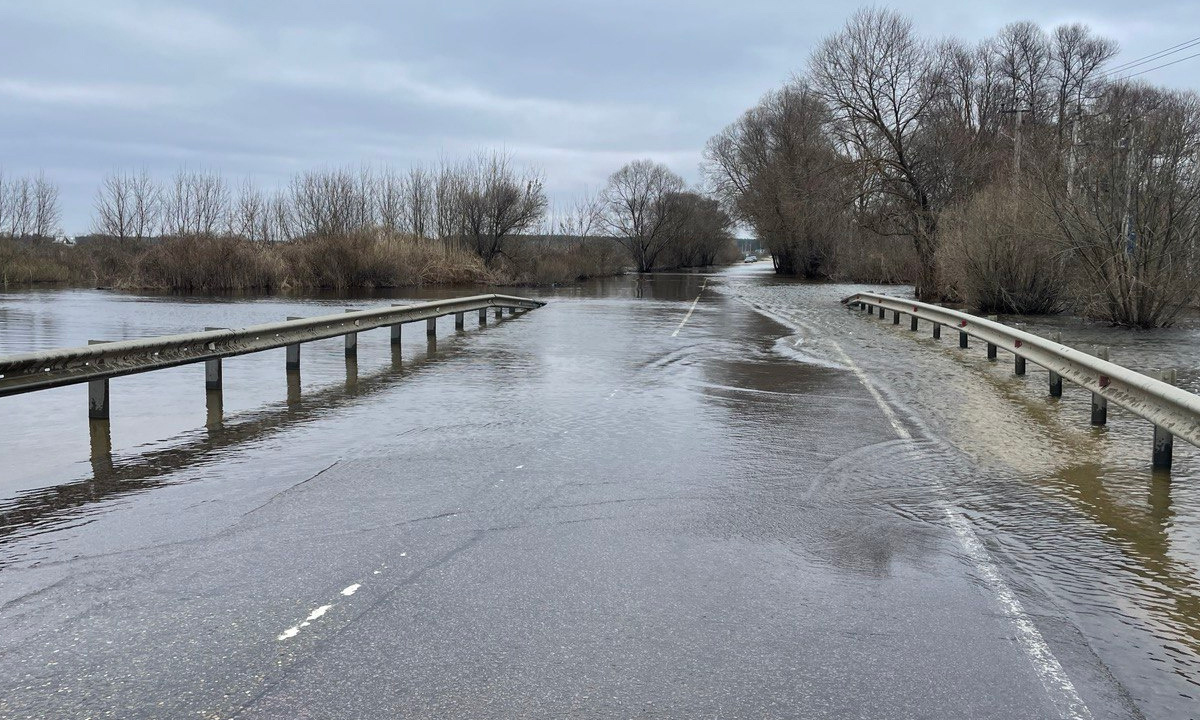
[[1017, 147], [1071, 153], [1130, 232], [1020, 113]]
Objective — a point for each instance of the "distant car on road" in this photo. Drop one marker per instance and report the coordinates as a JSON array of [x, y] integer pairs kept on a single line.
[[751, 258]]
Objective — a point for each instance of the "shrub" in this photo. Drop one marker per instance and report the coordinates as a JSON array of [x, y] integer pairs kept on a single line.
[[1002, 253]]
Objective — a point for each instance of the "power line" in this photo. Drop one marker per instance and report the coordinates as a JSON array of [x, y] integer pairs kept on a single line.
[[1156, 67], [1154, 56]]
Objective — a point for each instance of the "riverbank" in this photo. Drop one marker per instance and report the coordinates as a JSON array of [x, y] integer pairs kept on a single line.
[[206, 263]]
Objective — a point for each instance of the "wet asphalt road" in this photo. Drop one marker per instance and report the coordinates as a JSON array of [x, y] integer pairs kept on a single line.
[[592, 510]]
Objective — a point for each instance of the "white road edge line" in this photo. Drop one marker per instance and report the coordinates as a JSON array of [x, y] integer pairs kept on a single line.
[[1049, 670], [691, 309]]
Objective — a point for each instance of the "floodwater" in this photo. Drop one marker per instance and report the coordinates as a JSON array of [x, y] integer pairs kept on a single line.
[[740, 401]]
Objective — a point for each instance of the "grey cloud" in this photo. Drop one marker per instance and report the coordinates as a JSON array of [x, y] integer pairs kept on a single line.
[[269, 87]]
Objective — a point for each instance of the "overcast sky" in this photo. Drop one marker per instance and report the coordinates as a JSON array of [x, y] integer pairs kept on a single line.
[[265, 88]]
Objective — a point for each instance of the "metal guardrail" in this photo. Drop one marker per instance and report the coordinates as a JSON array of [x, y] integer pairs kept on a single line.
[[97, 363], [1173, 411]]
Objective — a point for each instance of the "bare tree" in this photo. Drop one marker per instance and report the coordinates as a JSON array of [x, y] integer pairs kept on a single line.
[[127, 206], [581, 220], [333, 202], [46, 212], [19, 204], [447, 214], [641, 209], [389, 200], [418, 201], [880, 81], [778, 170], [250, 217], [497, 201], [195, 203]]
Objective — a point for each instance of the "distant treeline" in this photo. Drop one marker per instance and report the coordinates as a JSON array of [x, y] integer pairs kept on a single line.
[[480, 220], [1023, 173]]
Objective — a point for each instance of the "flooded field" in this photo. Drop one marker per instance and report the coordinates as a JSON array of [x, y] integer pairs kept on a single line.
[[710, 411]]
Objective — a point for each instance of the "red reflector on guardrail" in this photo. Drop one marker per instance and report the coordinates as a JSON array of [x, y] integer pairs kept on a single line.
[[1017, 343], [1104, 381], [963, 323]]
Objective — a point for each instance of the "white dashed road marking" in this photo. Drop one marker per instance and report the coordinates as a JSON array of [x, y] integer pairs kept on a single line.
[[691, 309]]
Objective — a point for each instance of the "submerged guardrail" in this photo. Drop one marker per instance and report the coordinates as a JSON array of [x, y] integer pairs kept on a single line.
[[1174, 412], [100, 360]]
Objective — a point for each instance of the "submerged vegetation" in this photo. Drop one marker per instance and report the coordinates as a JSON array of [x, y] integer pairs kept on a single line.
[[1021, 173]]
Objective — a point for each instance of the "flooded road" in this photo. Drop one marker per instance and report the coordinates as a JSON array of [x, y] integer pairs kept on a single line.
[[716, 495]]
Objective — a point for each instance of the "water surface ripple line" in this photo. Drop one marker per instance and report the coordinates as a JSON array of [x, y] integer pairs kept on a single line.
[[1050, 671]]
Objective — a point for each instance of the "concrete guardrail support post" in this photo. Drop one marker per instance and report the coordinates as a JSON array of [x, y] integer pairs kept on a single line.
[[212, 370], [98, 393], [1099, 402], [912, 323], [459, 321], [351, 341], [431, 327], [1164, 441], [937, 331], [1055, 378], [293, 353]]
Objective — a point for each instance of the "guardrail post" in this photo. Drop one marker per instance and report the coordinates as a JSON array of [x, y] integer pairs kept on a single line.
[[1018, 365], [293, 352], [499, 313], [991, 347], [483, 316], [895, 317], [395, 329], [912, 323], [963, 340], [1099, 402], [459, 321], [212, 370], [1055, 378], [98, 393], [351, 340], [431, 327], [1164, 441], [937, 331], [881, 311]]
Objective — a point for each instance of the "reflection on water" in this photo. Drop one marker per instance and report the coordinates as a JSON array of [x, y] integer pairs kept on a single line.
[[44, 509], [35, 497], [1071, 511]]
